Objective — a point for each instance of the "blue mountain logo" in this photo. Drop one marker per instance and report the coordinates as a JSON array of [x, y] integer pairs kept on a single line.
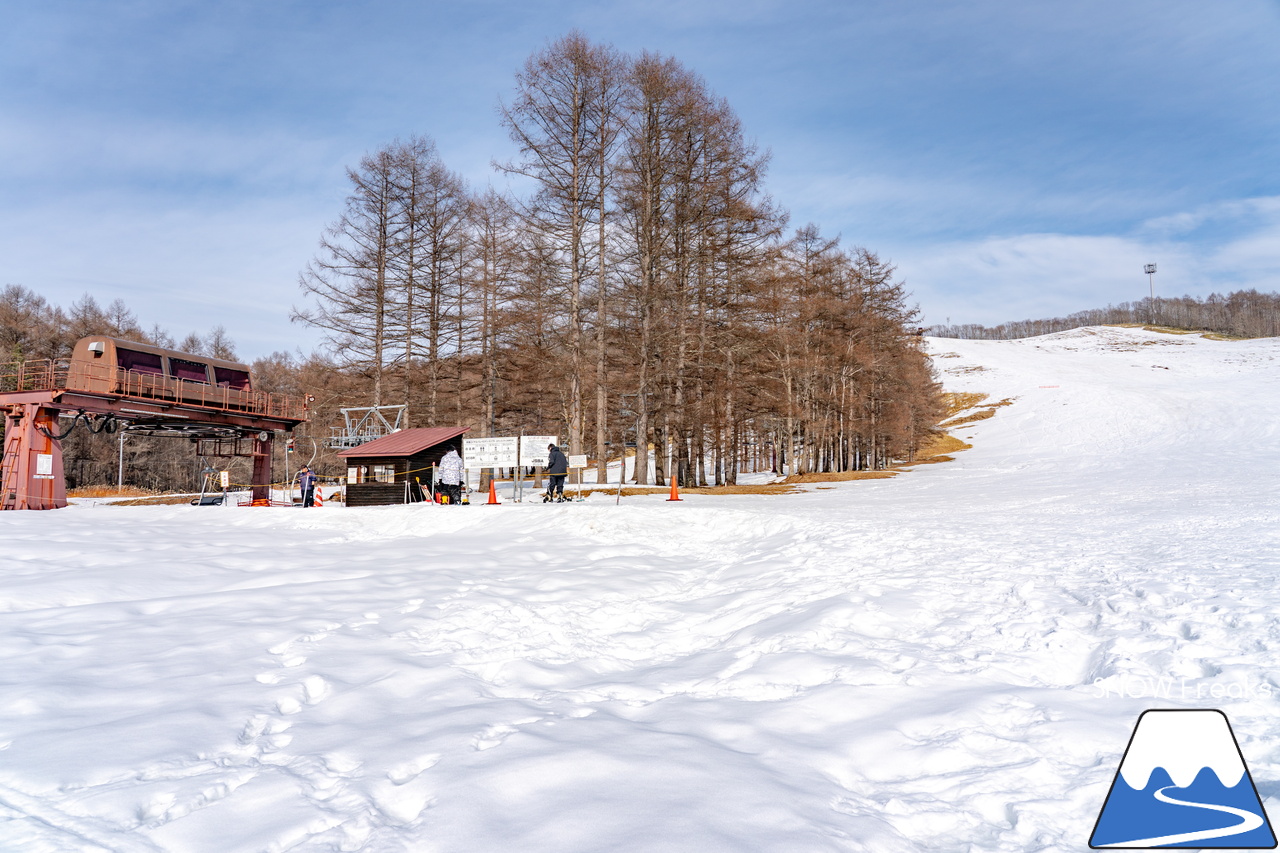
[[1183, 783]]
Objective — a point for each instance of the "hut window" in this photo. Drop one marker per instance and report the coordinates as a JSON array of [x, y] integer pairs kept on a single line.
[[139, 362], [383, 473]]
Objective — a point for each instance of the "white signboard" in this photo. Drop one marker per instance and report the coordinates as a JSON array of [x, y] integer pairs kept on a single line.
[[533, 449], [353, 476], [578, 461], [492, 452], [44, 465], [225, 478]]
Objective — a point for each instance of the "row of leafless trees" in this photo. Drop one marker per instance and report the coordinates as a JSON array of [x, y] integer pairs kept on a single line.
[[641, 291], [1244, 314], [33, 328]]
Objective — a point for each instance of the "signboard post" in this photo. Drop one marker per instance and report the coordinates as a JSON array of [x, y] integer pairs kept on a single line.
[[577, 462], [533, 452]]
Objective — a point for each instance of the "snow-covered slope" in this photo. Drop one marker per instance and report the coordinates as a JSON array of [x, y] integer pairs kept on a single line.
[[950, 660]]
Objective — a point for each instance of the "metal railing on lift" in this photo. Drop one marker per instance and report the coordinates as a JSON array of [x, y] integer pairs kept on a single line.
[[59, 375]]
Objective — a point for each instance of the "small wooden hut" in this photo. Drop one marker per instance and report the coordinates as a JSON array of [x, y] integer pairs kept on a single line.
[[397, 468]]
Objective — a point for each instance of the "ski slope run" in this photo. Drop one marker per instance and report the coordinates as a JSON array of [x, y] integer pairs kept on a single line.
[[950, 660]]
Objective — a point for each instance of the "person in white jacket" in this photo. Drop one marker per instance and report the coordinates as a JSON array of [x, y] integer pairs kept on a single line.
[[451, 476]]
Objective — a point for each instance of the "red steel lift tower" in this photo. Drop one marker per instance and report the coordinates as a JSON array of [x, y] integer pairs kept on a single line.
[[108, 384]]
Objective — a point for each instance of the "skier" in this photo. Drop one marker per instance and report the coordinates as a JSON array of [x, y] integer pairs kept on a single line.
[[451, 476], [558, 469], [307, 483]]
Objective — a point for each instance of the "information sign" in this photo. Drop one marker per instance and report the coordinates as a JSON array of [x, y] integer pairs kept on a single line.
[[491, 452], [533, 449], [44, 466], [578, 460], [225, 478]]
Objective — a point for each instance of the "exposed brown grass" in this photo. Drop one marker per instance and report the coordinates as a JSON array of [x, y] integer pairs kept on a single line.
[[762, 489], [155, 500], [959, 401], [1146, 327], [980, 415], [1170, 330], [937, 450], [109, 492], [942, 444], [841, 476], [784, 488], [988, 411]]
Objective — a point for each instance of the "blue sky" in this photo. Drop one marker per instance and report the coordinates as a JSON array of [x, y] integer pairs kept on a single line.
[[1014, 159]]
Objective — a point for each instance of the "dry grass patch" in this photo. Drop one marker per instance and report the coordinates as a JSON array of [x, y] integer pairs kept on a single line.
[[840, 476], [634, 491], [784, 488], [1148, 327], [1170, 330], [942, 444], [155, 500], [937, 450], [988, 411], [957, 402], [981, 415], [109, 492]]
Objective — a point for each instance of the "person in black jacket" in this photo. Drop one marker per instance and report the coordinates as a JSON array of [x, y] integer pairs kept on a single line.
[[557, 468]]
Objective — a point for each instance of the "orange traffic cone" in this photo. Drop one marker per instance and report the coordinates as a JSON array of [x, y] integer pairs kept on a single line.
[[316, 500], [675, 495], [493, 494]]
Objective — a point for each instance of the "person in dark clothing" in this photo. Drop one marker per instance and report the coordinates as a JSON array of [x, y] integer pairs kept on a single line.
[[307, 483], [557, 469]]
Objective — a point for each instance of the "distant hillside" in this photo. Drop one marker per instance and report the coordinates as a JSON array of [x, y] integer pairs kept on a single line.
[[1243, 314]]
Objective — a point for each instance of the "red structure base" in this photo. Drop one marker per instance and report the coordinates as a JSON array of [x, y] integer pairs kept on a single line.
[[32, 465]]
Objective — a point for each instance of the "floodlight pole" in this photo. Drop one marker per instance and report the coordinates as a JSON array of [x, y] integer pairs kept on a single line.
[[1150, 270]]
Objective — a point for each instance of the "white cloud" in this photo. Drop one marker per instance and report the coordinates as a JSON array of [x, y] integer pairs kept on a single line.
[[1232, 246], [185, 268]]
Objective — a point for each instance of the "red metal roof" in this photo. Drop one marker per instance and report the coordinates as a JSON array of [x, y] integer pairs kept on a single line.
[[406, 442]]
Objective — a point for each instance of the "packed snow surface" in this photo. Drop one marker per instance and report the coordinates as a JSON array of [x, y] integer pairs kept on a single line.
[[950, 660]]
